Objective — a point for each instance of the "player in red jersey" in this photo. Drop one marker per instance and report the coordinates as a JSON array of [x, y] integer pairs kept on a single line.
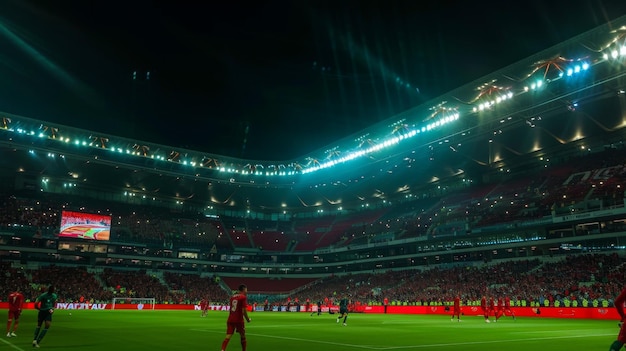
[[456, 308], [621, 337], [485, 308], [16, 300], [507, 307], [500, 308], [238, 312], [204, 307]]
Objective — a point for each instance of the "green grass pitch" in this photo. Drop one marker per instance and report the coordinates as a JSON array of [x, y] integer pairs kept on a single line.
[[121, 330]]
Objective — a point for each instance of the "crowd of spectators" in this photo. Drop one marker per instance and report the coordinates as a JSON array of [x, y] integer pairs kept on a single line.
[[594, 278], [78, 284], [585, 183], [588, 279], [589, 182], [193, 287]]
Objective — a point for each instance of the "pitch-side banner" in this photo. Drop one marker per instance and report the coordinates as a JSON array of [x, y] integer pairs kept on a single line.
[[468, 311]]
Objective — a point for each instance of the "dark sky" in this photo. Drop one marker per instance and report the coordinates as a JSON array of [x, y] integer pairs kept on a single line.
[[267, 80]]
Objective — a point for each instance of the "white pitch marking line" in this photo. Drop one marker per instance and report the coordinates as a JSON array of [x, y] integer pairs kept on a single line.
[[11, 345]]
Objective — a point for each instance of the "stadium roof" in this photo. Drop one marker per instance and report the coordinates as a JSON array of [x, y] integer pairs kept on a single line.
[[563, 101], [273, 80]]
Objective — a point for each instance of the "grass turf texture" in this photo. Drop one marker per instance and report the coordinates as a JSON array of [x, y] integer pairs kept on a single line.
[[121, 330]]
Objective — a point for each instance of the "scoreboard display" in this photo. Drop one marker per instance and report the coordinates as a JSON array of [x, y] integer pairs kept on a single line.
[[85, 226]]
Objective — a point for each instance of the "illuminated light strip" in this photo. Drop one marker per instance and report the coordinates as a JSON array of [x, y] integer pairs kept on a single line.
[[385, 144], [488, 104], [615, 53], [577, 68]]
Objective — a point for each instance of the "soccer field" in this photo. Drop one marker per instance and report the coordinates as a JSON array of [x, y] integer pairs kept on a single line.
[[123, 330]]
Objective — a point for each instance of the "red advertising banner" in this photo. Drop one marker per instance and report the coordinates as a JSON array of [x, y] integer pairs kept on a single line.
[[554, 312], [551, 312]]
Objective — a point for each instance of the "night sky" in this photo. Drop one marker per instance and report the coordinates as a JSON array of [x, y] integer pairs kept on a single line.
[[268, 80]]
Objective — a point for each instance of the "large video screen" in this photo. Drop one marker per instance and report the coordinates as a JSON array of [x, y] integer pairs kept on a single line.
[[85, 226]]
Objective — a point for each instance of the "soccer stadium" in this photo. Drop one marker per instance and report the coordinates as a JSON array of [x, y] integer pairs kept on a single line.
[[511, 185]]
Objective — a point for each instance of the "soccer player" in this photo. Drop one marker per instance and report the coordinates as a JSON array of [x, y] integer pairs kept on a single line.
[[385, 304], [485, 308], [238, 312], [45, 303], [500, 308], [456, 308], [621, 337], [343, 310], [16, 300], [507, 307], [492, 308], [204, 307], [320, 303]]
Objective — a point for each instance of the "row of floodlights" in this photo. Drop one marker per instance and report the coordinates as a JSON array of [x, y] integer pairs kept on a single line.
[[535, 85], [451, 117], [448, 118], [615, 53]]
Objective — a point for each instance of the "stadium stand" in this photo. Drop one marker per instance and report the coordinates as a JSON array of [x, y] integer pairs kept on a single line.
[[544, 226]]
